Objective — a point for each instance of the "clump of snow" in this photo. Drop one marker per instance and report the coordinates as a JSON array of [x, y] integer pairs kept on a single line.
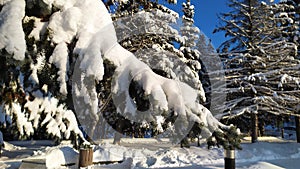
[[256, 76], [287, 78], [35, 67], [78, 21], [12, 37], [60, 58]]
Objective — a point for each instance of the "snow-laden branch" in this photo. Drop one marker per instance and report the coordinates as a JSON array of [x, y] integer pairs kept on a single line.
[[166, 96], [12, 37]]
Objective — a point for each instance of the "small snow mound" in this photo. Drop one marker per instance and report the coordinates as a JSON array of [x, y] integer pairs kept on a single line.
[[265, 165], [109, 153], [58, 156], [127, 164], [11, 147]]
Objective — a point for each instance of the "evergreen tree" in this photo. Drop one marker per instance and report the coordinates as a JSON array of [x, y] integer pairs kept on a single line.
[[34, 102], [291, 9], [258, 57]]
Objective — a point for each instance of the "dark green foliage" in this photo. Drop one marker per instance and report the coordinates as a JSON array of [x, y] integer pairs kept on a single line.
[[121, 9], [137, 94], [39, 9], [229, 139]]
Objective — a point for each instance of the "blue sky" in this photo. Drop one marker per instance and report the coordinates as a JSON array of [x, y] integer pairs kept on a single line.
[[206, 16]]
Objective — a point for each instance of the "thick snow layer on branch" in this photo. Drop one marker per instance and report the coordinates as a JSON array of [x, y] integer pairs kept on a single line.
[[12, 37], [82, 20], [35, 67], [165, 95], [59, 121], [256, 77], [287, 78], [60, 59], [23, 124]]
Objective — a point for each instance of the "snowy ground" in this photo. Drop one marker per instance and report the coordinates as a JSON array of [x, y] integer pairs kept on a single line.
[[269, 152]]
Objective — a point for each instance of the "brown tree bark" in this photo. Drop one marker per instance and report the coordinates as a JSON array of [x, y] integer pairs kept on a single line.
[[254, 134]]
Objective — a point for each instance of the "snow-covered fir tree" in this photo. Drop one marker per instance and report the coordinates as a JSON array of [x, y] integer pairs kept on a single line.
[[154, 27], [292, 9], [56, 50], [196, 49], [34, 75], [259, 58]]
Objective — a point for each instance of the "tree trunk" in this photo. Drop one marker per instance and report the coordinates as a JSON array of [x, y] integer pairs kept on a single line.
[[261, 128], [117, 138], [297, 120], [279, 123], [254, 128]]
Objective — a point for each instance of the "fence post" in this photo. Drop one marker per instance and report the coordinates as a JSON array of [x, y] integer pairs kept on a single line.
[[229, 158], [85, 157]]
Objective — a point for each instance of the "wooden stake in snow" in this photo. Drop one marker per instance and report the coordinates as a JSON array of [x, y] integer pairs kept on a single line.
[[85, 157]]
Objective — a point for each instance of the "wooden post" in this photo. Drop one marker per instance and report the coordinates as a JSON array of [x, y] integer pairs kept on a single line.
[[85, 157], [229, 158]]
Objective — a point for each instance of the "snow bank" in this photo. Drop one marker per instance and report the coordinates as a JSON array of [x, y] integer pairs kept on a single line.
[[268, 151], [61, 155], [145, 158], [265, 155], [258, 155]]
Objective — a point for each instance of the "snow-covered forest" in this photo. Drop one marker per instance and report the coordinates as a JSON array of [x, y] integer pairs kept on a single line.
[[91, 70]]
